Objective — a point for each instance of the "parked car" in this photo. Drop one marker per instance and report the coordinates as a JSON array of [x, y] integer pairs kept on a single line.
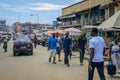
[[22, 45]]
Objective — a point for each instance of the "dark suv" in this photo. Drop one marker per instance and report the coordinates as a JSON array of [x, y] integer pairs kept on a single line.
[[22, 45]]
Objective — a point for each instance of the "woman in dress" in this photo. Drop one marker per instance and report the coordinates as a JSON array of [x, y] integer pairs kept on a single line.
[[115, 53]]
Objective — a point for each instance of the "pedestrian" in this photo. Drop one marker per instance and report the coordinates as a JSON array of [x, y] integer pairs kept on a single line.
[[114, 53], [96, 45], [0, 39], [81, 45], [58, 51], [35, 41], [5, 44], [67, 41], [52, 42], [43, 40]]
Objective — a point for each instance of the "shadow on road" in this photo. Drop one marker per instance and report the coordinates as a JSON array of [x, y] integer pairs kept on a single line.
[[20, 55], [115, 77]]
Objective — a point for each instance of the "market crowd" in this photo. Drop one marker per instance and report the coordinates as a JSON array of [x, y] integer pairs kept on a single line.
[[97, 48]]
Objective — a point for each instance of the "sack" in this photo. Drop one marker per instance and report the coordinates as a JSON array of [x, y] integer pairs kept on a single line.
[[111, 69]]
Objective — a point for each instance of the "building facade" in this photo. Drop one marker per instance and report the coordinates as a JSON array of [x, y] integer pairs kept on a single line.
[[3, 26], [111, 7], [29, 27], [87, 12]]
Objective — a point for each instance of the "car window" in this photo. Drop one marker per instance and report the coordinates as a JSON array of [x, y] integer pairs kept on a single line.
[[23, 38]]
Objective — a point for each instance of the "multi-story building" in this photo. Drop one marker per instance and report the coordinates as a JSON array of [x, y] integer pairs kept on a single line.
[[111, 7], [87, 12], [3, 26]]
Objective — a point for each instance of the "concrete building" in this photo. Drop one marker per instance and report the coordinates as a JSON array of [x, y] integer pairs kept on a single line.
[[46, 27], [55, 24], [3, 26], [32, 27], [87, 12], [111, 7]]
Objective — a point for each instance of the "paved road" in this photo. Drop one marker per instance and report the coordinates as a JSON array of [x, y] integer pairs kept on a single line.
[[37, 67]]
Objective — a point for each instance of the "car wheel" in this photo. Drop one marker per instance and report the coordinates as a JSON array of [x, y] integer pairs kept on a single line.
[[31, 53], [14, 53]]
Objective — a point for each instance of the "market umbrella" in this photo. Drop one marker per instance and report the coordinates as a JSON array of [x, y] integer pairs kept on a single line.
[[112, 22], [73, 31], [60, 32], [49, 32]]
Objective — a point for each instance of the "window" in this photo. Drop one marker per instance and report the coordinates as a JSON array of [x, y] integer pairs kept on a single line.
[[111, 10]]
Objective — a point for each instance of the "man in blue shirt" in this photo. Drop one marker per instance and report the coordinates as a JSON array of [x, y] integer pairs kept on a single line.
[[66, 46], [52, 46]]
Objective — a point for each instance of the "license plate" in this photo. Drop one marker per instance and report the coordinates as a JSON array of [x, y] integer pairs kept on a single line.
[[23, 47]]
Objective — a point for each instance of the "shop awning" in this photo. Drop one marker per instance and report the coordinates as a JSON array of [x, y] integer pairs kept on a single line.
[[112, 22], [88, 27]]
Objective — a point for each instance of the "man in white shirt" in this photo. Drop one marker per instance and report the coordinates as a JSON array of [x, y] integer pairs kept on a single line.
[[96, 45]]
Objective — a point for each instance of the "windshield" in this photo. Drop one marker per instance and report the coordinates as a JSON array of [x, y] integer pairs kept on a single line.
[[22, 38]]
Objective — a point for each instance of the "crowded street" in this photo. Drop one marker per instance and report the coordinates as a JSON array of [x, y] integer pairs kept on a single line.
[[37, 67], [59, 39]]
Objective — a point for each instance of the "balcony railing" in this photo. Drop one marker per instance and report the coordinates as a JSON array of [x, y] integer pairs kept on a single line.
[[97, 19], [93, 20]]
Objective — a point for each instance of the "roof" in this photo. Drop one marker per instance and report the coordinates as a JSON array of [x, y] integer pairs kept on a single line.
[[67, 16], [74, 4], [80, 6], [112, 22]]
